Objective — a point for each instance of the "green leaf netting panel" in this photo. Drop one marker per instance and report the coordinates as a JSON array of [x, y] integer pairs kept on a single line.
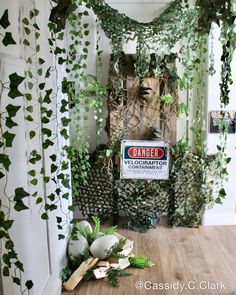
[[142, 201], [191, 189], [96, 197]]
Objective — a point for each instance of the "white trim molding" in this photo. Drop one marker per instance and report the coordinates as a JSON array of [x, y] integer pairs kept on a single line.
[[228, 218]]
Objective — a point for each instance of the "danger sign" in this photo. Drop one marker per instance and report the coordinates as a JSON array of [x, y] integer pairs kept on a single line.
[[144, 160]]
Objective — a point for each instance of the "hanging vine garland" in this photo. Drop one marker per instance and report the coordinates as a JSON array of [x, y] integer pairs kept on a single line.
[[188, 25]]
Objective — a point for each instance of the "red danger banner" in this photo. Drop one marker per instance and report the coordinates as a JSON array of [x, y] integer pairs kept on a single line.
[[144, 160], [145, 153]]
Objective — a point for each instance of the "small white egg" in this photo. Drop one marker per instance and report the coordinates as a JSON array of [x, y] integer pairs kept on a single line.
[[101, 245], [84, 224], [77, 247]]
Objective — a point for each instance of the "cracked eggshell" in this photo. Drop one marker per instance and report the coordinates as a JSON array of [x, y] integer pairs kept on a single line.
[[84, 224], [77, 247], [101, 245]]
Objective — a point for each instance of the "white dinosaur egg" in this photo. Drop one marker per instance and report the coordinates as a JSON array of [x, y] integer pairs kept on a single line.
[[77, 247], [101, 245], [84, 224]]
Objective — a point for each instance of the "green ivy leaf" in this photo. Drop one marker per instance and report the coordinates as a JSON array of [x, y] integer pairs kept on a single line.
[[32, 134], [32, 173], [37, 48], [27, 30], [37, 35], [41, 86], [34, 181], [61, 237], [59, 219], [40, 72], [47, 143], [47, 132], [45, 120], [30, 109], [8, 224], [222, 193], [53, 168], [25, 21], [4, 21], [47, 75], [41, 61], [8, 39], [26, 42], [65, 121], [30, 85], [65, 196], [71, 208], [228, 160], [29, 284], [39, 200], [64, 133], [46, 179], [20, 206], [19, 265], [10, 123], [15, 81], [51, 197], [20, 194], [29, 118], [53, 157], [44, 216], [16, 280], [5, 161], [5, 271], [218, 201], [61, 60], [30, 74], [9, 245], [36, 27], [9, 137], [12, 110], [28, 96]]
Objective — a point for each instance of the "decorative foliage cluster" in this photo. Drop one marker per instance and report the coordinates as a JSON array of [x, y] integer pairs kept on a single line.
[[114, 254]]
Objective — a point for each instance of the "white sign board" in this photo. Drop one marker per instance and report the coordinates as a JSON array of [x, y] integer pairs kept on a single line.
[[144, 159]]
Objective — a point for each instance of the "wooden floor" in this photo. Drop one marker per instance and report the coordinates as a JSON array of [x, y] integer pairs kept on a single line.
[[199, 259]]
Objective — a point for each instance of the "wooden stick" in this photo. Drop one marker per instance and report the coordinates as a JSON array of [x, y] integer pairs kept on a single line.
[[77, 275]]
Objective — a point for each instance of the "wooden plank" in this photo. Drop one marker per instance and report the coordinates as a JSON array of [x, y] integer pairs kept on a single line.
[[78, 275]]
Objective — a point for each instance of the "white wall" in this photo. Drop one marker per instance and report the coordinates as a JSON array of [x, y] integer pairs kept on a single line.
[[225, 213], [36, 241]]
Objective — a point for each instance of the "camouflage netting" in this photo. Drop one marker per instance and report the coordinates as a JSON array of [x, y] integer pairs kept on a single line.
[[96, 197], [142, 201], [183, 197]]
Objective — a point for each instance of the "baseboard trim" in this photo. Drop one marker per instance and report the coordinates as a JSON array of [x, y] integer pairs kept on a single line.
[[219, 219]]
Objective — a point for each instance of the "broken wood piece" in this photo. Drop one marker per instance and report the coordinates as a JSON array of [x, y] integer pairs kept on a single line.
[[103, 264], [100, 272], [123, 263], [128, 247], [78, 275]]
